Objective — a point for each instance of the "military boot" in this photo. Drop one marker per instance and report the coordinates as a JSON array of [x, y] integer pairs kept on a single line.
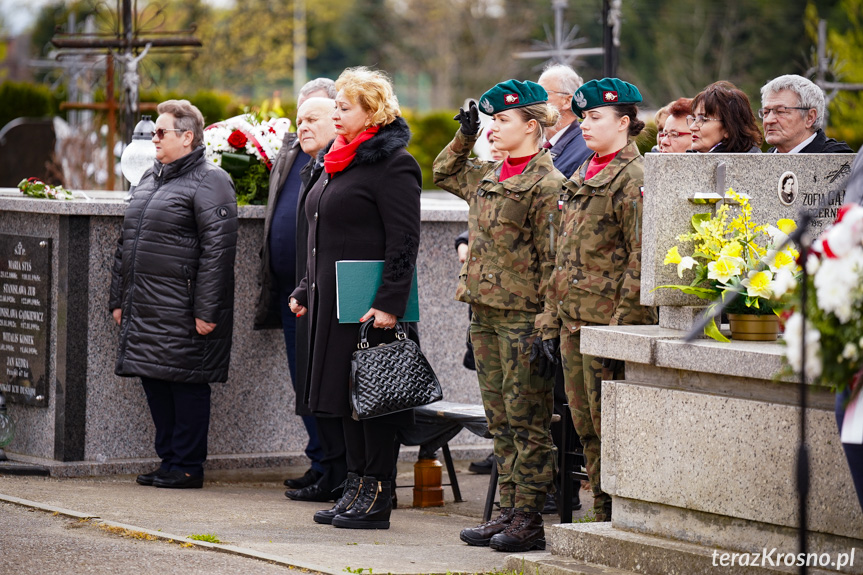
[[349, 495], [372, 508], [524, 533], [481, 535]]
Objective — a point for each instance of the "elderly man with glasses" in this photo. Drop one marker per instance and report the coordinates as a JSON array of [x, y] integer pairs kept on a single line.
[[793, 116], [568, 150]]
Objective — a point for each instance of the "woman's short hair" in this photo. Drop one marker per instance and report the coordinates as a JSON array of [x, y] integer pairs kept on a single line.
[[728, 103], [545, 115], [373, 91], [186, 117], [660, 117], [680, 108]]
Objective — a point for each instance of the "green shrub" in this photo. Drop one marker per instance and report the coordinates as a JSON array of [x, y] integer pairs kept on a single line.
[[431, 134], [21, 99]]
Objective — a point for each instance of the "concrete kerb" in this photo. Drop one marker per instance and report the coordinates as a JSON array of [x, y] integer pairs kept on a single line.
[[167, 537]]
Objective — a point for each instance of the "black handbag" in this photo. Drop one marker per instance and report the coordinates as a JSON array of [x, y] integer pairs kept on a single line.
[[390, 377]]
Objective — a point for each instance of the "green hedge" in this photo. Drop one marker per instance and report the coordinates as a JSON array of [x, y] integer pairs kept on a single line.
[[430, 134], [20, 99]]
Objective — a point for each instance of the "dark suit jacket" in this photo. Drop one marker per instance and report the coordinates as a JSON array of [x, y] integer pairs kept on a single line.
[[823, 145], [570, 151]]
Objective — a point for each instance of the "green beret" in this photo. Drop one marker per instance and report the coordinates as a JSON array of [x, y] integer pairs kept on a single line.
[[512, 94], [605, 92]]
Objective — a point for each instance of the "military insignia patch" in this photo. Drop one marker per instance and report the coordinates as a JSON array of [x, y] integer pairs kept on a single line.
[[580, 100], [609, 96], [641, 189], [486, 106], [510, 99]]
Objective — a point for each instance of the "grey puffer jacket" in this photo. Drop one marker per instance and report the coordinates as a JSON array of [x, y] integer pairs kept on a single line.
[[174, 263]]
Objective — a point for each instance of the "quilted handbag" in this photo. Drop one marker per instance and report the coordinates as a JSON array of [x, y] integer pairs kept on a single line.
[[390, 377]]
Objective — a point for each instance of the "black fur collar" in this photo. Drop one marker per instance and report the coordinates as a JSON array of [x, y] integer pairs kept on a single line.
[[388, 140]]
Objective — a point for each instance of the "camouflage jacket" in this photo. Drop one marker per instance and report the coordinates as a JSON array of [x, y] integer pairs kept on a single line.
[[597, 273], [513, 226]]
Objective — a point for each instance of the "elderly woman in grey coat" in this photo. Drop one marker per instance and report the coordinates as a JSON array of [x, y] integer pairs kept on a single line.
[[172, 291]]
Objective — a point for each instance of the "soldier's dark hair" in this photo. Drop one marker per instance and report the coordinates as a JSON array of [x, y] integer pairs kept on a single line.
[[631, 110], [545, 115]]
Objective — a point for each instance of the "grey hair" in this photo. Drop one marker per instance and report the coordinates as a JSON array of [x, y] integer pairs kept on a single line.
[[808, 94], [570, 81], [319, 84], [186, 117]]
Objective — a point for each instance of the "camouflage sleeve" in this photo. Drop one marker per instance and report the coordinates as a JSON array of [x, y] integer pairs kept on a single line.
[[453, 169], [629, 310], [546, 224]]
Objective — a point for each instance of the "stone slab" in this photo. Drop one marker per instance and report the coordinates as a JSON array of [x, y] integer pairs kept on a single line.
[[550, 564], [726, 456], [670, 179], [603, 544]]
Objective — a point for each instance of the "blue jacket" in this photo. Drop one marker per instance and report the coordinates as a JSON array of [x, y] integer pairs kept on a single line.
[[570, 151]]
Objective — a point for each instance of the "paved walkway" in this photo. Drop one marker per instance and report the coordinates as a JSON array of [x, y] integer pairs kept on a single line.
[[248, 513]]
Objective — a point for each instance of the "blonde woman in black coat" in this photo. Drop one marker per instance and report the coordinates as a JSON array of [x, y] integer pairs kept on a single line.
[[366, 206]]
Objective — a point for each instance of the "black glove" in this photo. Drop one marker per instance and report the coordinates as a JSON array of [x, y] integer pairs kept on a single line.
[[469, 119], [546, 354], [610, 367]]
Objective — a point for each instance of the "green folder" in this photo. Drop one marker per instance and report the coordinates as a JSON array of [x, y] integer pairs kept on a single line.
[[357, 283]]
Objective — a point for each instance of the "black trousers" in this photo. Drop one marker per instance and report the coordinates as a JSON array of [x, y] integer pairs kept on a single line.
[[331, 435], [371, 445], [181, 414]]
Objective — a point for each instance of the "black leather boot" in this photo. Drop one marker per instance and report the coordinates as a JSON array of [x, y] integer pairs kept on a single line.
[[524, 533], [372, 508], [349, 495], [481, 535]]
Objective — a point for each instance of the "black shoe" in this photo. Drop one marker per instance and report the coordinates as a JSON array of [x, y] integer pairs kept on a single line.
[[309, 477], [314, 492], [147, 478], [177, 479], [524, 533], [550, 506], [483, 467], [350, 493], [481, 535], [372, 508]]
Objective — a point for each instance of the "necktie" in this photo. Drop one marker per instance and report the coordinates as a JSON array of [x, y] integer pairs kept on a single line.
[[547, 145]]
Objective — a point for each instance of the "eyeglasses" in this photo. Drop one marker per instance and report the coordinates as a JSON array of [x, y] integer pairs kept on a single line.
[[779, 111], [699, 120], [160, 132], [561, 93], [673, 135]]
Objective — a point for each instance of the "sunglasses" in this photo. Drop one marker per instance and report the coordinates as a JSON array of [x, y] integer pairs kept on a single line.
[[160, 132]]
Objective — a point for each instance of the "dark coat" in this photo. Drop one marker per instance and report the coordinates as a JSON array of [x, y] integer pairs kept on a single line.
[[369, 211], [570, 151], [823, 145], [268, 314], [174, 263]]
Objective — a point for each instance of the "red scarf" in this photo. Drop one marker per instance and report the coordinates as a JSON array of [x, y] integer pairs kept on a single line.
[[341, 154], [514, 166], [597, 164]]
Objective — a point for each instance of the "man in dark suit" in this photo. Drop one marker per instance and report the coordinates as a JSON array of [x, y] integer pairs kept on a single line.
[[283, 264], [793, 115], [568, 150]]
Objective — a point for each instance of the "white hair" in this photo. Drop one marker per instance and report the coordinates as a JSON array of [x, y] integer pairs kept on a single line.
[[809, 95], [570, 81]]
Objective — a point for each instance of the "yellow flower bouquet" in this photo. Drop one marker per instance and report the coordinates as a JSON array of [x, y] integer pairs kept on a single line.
[[736, 257]]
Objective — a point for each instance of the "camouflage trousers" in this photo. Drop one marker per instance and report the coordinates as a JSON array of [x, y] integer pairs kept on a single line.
[[518, 405], [583, 380]]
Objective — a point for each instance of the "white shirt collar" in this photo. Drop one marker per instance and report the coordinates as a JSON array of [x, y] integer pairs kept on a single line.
[[554, 139], [796, 149]]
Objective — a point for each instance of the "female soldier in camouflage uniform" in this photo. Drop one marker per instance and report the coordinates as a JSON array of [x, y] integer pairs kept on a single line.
[[597, 274], [513, 208]]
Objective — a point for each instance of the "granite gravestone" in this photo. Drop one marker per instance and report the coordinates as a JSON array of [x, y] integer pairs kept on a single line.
[[26, 149], [25, 311], [677, 186]]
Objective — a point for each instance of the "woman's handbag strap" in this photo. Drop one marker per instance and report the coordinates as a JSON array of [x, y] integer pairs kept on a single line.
[[363, 342]]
